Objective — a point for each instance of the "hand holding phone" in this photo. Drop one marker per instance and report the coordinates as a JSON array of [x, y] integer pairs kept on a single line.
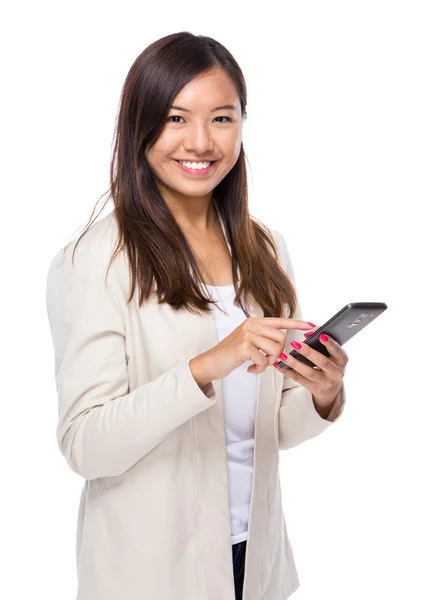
[[344, 325]]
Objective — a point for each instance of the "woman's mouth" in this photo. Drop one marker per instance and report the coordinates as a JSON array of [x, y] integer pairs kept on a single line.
[[198, 171]]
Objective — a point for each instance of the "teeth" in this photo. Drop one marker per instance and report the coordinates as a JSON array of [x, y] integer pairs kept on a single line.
[[194, 165]]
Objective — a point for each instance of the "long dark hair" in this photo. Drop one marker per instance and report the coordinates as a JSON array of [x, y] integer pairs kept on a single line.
[[156, 247]]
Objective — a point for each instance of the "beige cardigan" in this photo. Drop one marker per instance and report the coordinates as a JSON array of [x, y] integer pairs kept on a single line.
[[154, 521]]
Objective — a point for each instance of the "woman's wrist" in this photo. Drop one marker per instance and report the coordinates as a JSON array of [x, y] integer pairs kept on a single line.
[[200, 370]]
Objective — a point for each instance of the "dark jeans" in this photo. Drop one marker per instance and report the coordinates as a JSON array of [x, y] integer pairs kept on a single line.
[[238, 560]]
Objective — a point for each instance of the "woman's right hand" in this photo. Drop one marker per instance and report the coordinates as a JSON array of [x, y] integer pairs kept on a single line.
[[246, 342]]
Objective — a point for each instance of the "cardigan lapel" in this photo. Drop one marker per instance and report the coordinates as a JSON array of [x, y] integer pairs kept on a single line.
[[200, 334]]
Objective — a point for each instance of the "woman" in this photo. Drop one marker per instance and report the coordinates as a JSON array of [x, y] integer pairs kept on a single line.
[[177, 440]]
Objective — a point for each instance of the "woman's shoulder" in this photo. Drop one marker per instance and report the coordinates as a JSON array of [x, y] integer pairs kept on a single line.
[[98, 241], [87, 259]]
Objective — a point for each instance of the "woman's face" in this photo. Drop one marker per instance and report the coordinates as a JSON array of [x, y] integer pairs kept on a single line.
[[200, 135]]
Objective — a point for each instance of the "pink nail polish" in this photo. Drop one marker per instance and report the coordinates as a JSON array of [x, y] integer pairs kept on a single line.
[[296, 345], [283, 356], [323, 337], [311, 324]]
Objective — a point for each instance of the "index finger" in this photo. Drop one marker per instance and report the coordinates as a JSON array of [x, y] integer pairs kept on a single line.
[[287, 323]]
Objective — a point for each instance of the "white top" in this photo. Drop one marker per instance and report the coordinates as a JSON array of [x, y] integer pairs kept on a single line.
[[239, 390]]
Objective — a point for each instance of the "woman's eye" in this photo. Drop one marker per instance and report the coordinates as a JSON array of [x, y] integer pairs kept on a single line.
[[179, 117]]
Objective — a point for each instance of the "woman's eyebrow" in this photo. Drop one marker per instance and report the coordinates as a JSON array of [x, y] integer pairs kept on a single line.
[[223, 107]]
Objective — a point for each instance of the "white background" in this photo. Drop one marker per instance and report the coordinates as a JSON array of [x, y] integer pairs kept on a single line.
[[339, 139]]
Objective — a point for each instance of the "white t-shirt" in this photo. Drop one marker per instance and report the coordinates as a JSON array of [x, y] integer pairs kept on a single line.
[[239, 390]]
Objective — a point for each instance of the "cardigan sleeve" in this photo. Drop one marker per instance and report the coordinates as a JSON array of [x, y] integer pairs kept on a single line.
[[103, 427], [298, 419]]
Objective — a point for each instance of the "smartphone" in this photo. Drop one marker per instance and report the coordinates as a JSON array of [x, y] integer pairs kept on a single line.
[[344, 325]]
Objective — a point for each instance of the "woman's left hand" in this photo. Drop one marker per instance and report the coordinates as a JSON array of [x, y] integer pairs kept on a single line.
[[325, 382]]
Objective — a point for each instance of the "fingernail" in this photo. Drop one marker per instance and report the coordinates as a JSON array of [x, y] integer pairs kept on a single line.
[[308, 333], [276, 365], [296, 345], [311, 324], [283, 356], [323, 337]]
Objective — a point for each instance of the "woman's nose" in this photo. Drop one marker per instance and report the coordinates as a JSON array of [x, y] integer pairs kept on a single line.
[[199, 139]]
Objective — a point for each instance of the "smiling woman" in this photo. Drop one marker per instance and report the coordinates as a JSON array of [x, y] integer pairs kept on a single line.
[[181, 462]]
